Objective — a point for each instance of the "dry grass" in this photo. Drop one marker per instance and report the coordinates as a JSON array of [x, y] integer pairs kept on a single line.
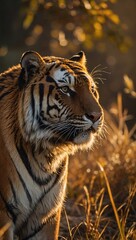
[[101, 201], [4, 229]]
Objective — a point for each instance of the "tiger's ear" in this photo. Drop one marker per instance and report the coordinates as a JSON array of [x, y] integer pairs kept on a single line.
[[79, 57], [30, 62]]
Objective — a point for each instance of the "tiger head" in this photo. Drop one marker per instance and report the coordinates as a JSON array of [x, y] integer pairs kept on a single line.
[[59, 102]]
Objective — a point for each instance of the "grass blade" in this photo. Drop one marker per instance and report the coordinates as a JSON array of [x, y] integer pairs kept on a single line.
[[4, 229], [121, 230]]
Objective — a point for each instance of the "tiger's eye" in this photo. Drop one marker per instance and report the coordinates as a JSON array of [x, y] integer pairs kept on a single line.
[[65, 89]]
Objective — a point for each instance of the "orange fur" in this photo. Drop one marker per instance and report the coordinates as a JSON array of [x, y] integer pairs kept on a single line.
[[48, 110]]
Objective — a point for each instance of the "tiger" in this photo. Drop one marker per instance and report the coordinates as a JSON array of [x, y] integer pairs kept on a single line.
[[49, 109]]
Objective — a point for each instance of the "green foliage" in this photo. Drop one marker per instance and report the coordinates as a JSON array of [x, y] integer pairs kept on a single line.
[[59, 24], [78, 21]]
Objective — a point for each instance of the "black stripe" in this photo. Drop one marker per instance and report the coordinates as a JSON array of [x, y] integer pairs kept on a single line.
[[10, 74], [62, 69], [32, 100], [69, 78], [58, 65], [21, 79], [72, 93], [26, 162], [2, 88], [49, 108], [2, 78], [5, 94], [59, 170], [41, 93], [48, 71], [25, 189], [57, 97], [33, 210], [10, 208], [41, 124], [48, 98], [38, 229], [13, 191], [66, 74], [37, 162], [24, 158], [62, 80], [64, 112], [49, 79], [52, 107], [23, 111]]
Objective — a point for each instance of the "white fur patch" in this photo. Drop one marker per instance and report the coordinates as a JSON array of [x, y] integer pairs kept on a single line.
[[62, 79]]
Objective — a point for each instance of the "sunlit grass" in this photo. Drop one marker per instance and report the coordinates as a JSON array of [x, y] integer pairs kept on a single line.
[[101, 202], [120, 226], [4, 229]]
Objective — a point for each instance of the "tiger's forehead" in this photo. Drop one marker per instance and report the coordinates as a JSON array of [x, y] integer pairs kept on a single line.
[[64, 75]]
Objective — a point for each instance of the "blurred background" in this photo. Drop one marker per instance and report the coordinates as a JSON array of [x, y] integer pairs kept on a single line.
[[103, 29]]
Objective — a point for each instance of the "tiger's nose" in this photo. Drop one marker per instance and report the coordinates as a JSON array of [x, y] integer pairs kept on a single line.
[[94, 116]]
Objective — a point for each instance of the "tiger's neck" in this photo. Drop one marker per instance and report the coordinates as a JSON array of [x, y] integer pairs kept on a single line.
[[47, 158], [42, 156]]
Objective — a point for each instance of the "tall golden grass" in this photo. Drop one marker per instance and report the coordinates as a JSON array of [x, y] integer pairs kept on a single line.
[[101, 201], [4, 229]]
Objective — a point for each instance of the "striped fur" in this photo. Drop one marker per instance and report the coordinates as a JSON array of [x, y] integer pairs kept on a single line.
[[49, 108]]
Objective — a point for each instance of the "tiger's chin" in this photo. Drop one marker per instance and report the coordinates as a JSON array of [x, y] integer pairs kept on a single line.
[[84, 141], [84, 138]]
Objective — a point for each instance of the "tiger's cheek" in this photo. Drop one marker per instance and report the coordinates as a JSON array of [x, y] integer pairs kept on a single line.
[[54, 114]]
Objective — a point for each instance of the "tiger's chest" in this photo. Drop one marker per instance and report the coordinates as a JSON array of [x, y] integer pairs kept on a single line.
[[33, 201]]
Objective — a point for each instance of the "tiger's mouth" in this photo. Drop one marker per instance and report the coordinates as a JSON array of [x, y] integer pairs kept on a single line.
[[79, 136], [88, 135], [84, 136], [75, 134]]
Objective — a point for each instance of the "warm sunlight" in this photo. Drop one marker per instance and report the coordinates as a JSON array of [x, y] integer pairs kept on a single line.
[[68, 120]]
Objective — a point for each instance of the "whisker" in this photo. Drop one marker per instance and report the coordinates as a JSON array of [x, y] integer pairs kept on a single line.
[[62, 134], [98, 69], [95, 68], [97, 73], [69, 133]]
